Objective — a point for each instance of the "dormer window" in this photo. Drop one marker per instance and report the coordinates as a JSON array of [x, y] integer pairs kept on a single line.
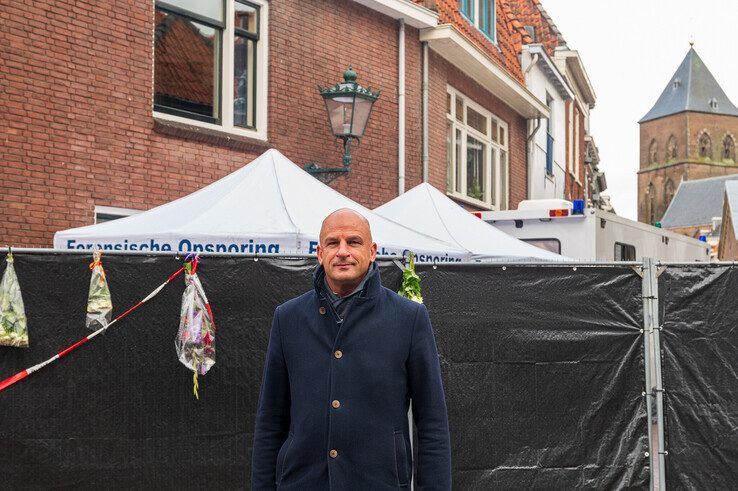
[[677, 82], [481, 13], [713, 104]]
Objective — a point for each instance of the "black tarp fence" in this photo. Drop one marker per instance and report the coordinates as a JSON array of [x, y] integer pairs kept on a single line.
[[543, 368], [699, 340]]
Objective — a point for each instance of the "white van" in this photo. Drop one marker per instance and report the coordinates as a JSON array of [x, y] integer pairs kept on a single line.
[[588, 234]]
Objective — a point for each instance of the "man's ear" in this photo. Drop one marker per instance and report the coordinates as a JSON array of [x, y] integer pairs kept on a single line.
[[319, 252], [373, 255]]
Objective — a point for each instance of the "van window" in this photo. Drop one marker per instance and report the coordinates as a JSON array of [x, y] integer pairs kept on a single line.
[[551, 245], [624, 252]]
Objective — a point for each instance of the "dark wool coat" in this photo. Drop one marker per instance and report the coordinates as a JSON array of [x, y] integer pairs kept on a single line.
[[333, 409]]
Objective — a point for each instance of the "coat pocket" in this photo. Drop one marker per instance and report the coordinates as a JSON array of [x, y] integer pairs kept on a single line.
[[401, 459], [282, 458]]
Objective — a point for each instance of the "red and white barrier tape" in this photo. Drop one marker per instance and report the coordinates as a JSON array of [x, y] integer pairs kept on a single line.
[[25, 373]]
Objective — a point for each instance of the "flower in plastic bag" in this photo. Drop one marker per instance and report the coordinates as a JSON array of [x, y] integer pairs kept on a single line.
[[195, 341], [13, 324], [99, 302]]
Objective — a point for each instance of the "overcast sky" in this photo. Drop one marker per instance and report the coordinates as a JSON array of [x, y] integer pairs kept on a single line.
[[630, 50]]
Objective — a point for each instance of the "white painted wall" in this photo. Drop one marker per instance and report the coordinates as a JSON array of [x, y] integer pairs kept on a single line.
[[540, 184]]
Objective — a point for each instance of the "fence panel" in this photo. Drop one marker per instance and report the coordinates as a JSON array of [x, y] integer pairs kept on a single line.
[[699, 342], [543, 369]]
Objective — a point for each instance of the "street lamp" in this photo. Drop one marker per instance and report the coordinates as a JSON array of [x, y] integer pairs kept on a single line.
[[348, 106]]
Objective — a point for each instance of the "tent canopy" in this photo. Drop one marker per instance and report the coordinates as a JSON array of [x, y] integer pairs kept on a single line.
[[268, 206], [426, 210]]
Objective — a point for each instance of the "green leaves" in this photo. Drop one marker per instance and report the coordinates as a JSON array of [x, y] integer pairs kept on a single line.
[[411, 282]]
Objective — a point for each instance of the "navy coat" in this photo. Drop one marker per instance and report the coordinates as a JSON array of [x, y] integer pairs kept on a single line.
[[333, 410]]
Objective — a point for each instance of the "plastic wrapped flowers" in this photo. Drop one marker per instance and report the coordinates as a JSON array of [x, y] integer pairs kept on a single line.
[[99, 303], [195, 342], [13, 325]]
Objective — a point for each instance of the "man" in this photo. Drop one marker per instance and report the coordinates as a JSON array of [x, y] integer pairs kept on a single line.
[[344, 361]]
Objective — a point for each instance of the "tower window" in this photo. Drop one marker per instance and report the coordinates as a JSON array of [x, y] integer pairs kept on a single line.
[[705, 145], [728, 148], [653, 151], [671, 148]]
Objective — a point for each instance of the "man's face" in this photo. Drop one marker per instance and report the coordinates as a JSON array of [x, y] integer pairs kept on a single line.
[[346, 248]]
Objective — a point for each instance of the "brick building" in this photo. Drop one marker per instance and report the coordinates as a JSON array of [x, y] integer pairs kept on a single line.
[[690, 133], [116, 107]]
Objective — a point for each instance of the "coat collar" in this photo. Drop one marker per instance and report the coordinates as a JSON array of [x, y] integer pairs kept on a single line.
[[372, 287]]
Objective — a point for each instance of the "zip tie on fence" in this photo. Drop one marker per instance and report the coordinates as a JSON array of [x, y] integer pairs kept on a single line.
[[25, 373]]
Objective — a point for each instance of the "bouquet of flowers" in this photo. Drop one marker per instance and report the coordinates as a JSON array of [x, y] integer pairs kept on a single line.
[[195, 342], [99, 303], [13, 326]]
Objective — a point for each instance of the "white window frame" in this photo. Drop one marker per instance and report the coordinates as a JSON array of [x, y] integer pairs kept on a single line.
[[115, 211], [476, 19], [577, 147], [490, 164], [227, 73]]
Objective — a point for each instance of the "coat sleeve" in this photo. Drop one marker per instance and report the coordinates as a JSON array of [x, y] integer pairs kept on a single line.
[[272, 415], [429, 407]]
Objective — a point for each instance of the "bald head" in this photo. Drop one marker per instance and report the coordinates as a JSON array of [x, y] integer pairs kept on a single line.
[[346, 249], [345, 217]]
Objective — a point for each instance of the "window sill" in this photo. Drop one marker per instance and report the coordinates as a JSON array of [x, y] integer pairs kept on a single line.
[[469, 201], [206, 133]]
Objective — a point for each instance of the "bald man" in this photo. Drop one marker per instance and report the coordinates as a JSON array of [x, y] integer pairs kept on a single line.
[[343, 364]]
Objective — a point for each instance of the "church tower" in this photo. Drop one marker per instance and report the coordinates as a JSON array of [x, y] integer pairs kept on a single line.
[[690, 133]]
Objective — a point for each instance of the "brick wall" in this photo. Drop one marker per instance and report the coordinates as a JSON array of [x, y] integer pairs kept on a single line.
[[728, 247], [686, 127], [77, 121], [78, 129], [443, 74]]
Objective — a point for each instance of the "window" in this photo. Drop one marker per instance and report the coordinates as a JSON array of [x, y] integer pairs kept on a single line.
[[549, 136], [476, 153], [551, 245], [651, 203], [653, 152], [668, 192], [728, 148], [705, 145], [671, 148], [210, 64], [108, 213], [577, 137], [624, 252], [481, 13], [570, 135]]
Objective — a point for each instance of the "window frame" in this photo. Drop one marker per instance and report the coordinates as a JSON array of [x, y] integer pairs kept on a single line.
[[494, 187], [226, 68], [111, 213], [474, 12], [623, 247]]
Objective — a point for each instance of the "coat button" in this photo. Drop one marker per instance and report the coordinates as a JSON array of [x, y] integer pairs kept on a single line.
[[322, 310], [338, 354], [336, 404], [333, 454]]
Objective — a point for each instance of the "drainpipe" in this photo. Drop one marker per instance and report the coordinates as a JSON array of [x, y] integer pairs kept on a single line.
[[530, 146], [425, 111], [401, 110]]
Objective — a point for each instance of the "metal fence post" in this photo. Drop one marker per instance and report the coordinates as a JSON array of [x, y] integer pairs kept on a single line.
[[647, 316], [652, 351]]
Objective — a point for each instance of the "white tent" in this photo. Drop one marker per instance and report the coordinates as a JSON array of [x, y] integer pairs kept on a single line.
[[426, 210], [268, 206]]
